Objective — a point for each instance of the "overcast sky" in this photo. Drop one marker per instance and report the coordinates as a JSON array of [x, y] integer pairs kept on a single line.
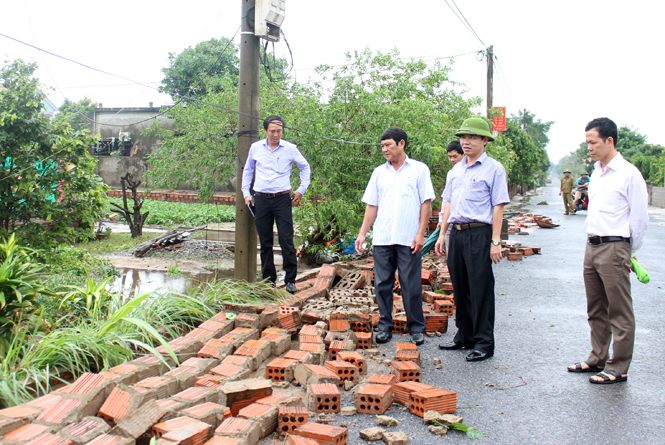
[[566, 61]]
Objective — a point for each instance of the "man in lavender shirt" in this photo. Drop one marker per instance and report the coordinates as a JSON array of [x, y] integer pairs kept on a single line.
[[475, 193], [272, 159]]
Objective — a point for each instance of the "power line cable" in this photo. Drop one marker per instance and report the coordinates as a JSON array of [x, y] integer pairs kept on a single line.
[[188, 98], [464, 22], [467, 22]]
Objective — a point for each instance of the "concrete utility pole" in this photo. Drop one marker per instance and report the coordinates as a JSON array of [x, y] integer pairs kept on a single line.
[[490, 80], [524, 120], [248, 102]]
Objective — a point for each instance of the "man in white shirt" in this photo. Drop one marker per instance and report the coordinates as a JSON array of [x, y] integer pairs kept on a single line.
[[615, 226], [398, 198]]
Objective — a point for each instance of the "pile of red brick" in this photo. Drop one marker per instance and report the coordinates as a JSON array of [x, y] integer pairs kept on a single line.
[[226, 389]]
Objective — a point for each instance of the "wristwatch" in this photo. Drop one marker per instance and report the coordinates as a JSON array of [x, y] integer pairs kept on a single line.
[[496, 242]]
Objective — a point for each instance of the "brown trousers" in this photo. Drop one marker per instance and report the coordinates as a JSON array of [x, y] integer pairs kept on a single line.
[[568, 202], [609, 304]]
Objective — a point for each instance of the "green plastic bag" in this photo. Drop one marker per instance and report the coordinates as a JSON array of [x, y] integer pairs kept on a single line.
[[642, 274]]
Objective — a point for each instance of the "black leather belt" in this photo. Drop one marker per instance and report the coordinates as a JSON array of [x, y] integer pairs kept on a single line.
[[272, 195], [606, 239], [468, 226]]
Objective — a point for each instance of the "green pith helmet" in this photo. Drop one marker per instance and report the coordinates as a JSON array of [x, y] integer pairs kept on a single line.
[[584, 173], [566, 171], [476, 126]]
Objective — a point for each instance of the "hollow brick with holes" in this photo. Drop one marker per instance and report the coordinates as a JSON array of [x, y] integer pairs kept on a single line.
[[436, 399], [324, 398], [374, 399], [443, 307], [280, 370], [355, 358], [334, 348], [365, 340], [323, 434], [237, 427], [406, 371], [290, 322], [346, 371], [290, 418], [399, 325]]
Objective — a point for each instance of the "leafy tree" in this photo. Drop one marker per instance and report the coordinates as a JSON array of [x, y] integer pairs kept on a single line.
[[533, 161], [47, 184], [189, 70], [536, 128], [576, 162], [74, 113]]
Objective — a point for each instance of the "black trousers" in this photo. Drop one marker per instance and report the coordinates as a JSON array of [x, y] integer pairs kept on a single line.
[[471, 272], [388, 259], [269, 211]]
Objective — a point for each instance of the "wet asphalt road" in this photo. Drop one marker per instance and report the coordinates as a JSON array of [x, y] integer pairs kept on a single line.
[[541, 328]]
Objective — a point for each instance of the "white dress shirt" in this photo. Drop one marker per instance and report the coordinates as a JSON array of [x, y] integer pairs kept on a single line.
[[398, 196], [273, 168], [618, 202]]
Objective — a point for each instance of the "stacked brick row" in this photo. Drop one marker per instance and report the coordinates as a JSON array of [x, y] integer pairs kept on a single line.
[[177, 196], [221, 390]]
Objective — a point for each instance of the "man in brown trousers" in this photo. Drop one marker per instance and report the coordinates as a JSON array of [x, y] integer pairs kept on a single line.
[[615, 227]]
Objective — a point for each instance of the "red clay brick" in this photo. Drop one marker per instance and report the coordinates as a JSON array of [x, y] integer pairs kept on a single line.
[[409, 346], [44, 402], [245, 392], [280, 399], [406, 371], [117, 405], [443, 307], [223, 440], [339, 325], [292, 439], [60, 411], [323, 434], [374, 399], [279, 343], [280, 370], [344, 370], [307, 374], [405, 355], [324, 398], [85, 383], [309, 330], [108, 439], [442, 401], [299, 356], [310, 339], [436, 322], [403, 391], [26, 432], [246, 320], [20, 412], [238, 360], [85, 430], [265, 415], [354, 358], [239, 427], [49, 439], [381, 379], [364, 340], [290, 418], [317, 350], [229, 371]]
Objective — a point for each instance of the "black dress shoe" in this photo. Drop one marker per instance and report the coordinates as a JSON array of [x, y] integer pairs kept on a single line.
[[452, 345], [384, 336], [291, 288], [418, 338], [476, 356]]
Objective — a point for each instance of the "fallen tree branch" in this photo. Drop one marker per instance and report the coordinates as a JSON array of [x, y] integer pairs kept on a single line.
[[169, 237]]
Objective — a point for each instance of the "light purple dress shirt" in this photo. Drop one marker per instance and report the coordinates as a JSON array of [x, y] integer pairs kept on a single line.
[[273, 168], [475, 190]]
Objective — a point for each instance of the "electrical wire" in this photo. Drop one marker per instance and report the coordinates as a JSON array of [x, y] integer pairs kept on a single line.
[[189, 98], [503, 76], [464, 22], [467, 22]]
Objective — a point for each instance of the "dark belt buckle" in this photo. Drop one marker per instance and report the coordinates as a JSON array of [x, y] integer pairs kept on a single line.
[[595, 240]]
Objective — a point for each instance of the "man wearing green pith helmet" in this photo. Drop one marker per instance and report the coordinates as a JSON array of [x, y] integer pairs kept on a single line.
[[475, 193]]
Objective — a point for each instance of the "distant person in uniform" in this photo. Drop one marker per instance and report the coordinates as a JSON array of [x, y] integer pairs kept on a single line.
[[398, 197], [582, 187], [272, 159], [475, 193], [615, 227], [567, 184]]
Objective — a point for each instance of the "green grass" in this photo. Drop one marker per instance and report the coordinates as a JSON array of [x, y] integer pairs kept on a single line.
[[116, 242], [173, 214]]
